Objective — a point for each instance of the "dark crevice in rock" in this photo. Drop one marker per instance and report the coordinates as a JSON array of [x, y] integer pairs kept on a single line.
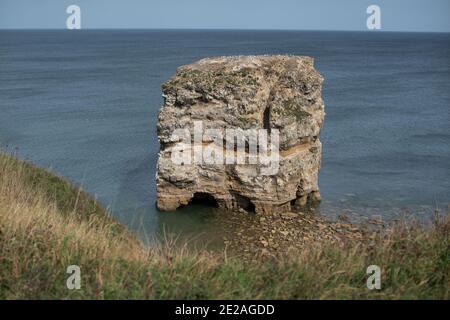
[[266, 119], [244, 203], [205, 199]]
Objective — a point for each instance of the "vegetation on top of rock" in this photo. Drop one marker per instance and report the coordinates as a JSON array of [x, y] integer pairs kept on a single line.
[[291, 108], [211, 80]]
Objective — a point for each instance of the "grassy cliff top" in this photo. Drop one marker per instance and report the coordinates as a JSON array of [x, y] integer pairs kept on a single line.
[[47, 224]]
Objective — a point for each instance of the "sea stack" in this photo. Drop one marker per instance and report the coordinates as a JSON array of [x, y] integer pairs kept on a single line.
[[217, 108]]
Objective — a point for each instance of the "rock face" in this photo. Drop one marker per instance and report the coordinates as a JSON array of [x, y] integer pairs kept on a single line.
[[276, 94]]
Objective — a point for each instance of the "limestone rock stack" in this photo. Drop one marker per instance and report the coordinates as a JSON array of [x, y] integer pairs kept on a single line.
[[276, 94]]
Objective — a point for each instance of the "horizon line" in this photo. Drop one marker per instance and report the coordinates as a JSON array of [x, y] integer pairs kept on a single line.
[[215, 29]]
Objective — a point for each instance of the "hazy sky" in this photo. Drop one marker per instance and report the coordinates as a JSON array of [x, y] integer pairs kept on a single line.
[[396, 15]]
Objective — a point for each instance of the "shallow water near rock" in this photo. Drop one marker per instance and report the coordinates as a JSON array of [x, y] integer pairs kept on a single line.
[[86, 104]]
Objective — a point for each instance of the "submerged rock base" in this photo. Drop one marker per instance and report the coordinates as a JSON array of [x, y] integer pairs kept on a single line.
[[273, 93]]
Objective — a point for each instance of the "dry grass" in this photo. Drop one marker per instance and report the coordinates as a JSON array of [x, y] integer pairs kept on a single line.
[[46, 224]]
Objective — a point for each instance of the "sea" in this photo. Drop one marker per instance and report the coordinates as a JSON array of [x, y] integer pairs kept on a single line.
[[84, 103]]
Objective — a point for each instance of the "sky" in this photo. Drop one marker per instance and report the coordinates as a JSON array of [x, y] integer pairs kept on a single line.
[[396, 15]]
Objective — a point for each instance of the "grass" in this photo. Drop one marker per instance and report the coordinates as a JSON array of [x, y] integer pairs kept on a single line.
[[46, 224]]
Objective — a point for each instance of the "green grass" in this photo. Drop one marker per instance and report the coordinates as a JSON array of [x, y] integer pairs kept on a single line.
[[46, 224]]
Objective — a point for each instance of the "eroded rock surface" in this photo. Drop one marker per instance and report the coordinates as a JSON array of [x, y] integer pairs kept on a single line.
[[245, 92]]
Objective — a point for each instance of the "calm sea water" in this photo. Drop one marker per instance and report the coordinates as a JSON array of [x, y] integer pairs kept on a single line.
[[85, 104]]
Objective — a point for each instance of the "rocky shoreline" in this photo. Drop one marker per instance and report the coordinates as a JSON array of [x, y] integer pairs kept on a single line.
[[280, 234]]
